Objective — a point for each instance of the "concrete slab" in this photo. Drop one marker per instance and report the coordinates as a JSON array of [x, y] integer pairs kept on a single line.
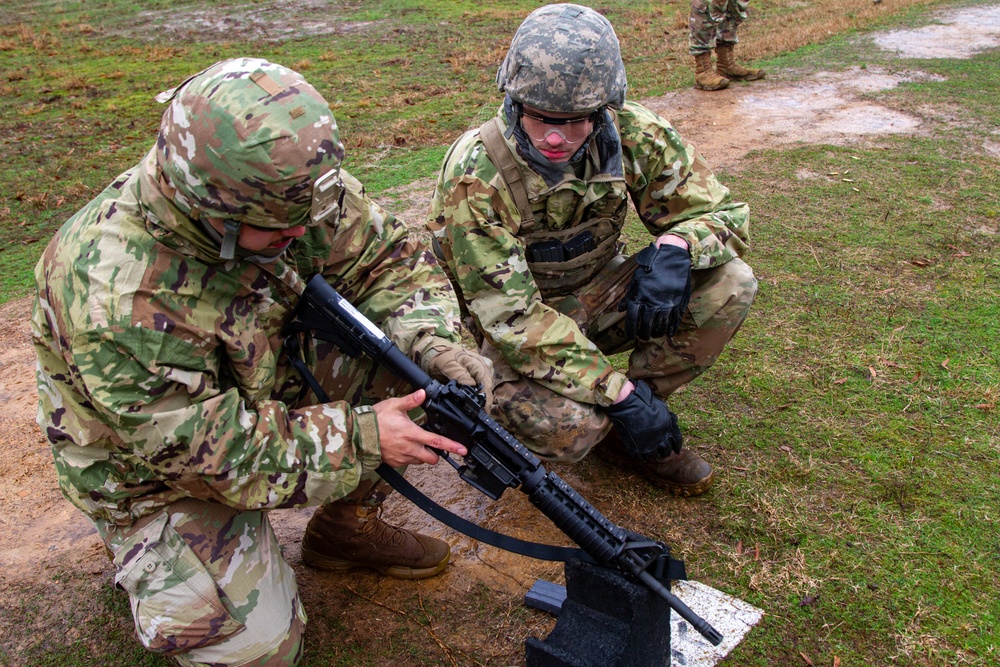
[[729, 615]]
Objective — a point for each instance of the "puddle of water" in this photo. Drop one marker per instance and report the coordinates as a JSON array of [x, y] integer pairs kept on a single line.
[[961, 34]]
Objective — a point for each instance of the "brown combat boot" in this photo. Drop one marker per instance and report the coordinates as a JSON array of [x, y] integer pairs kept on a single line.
[[682, 474], [727, 67], [705, 77], [350, 533]]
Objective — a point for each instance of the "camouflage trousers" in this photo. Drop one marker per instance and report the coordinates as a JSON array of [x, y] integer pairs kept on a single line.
[[207, 583], [714, 21], [560, 429]]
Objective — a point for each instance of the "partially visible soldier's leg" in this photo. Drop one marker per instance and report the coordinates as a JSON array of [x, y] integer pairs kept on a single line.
[[552, 426], [349, 532], [735, 13], [703, 30], [703, 24], [208, 585], [725, 45]]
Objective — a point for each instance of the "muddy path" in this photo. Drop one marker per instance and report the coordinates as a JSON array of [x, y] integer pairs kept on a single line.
[[41, 534]]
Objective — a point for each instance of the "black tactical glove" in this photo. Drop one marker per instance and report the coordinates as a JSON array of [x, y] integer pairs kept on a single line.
[[659, 292], [647, 426]]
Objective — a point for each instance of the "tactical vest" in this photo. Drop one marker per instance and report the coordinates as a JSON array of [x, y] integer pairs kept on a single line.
[[560, 260]]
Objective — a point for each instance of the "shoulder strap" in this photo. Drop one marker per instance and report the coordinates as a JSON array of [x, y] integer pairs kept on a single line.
[[499, 153]]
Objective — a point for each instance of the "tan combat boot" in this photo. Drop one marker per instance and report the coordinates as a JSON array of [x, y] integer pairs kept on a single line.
[[705, 77], [350, 533], [727, 67], [682, 474]]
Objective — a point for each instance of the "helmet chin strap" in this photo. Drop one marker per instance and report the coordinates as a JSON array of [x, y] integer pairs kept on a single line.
[[232, 228], [229, 250]]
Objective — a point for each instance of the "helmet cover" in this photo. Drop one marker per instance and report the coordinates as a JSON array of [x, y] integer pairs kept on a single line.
[[565, 59], [245, 140]]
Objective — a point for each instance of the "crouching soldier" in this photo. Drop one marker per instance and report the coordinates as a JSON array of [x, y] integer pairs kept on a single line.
[[175, 417]]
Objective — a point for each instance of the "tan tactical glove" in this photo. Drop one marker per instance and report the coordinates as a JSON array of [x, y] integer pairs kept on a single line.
[[464, 367]]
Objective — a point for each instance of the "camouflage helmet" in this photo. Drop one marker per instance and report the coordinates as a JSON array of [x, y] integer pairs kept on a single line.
[[564, 59], [244, 141]]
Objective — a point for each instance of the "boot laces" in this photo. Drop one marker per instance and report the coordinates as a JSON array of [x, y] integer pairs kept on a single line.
[[381, 532]]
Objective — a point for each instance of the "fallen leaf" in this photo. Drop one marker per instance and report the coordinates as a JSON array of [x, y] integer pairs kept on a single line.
[[785, 448], [806, 658], [961, 253], [984, 406], [739, 548], [871, 373], [920, 262], [841, 381], [917, 376], [836, 661], [944, 364]]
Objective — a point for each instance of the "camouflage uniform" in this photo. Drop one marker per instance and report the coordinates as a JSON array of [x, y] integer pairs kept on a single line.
[[550, 349], [713, 21], [174, 418]]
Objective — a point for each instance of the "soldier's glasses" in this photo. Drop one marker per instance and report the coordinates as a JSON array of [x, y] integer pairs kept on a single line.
[[571, 130]]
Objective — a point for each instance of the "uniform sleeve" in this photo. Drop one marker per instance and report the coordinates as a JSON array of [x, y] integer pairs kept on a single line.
[[175, 424], [674, 190], [391, 278], [475, 225]]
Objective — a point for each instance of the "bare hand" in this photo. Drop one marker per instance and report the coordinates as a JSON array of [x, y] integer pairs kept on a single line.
[[402, 441]]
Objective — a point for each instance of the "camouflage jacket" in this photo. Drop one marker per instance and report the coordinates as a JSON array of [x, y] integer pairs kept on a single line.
[[160, 370], [474, 217]]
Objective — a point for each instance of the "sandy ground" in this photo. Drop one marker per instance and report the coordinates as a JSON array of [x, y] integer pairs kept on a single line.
[[40, 532]]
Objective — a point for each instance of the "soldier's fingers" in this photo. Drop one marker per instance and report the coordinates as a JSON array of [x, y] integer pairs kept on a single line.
[[445, 444], [411, 401]]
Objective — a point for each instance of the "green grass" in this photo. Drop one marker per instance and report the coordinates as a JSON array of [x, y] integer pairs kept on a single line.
[[853, 421], [859, 403]]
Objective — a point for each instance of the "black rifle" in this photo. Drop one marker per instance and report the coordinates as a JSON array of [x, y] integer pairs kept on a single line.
[[496, 460]]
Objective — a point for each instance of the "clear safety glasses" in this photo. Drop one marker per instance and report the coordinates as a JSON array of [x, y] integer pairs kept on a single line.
[[570, 130], [327, 192]]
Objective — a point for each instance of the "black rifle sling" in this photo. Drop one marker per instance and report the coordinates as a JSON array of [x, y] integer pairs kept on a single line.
[[445, 516], [491, 537]]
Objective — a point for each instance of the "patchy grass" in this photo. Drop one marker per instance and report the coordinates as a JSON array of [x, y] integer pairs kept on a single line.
[[77, 80], [857, 410]]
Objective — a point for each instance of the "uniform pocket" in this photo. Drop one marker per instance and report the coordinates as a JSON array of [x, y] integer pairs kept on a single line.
[[175, 602]]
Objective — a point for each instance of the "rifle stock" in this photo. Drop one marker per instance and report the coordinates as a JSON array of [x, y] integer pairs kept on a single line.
[[496, 460]]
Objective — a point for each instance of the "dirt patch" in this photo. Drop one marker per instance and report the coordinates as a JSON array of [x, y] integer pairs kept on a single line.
[[270, 22], [825, 107], [960, 34]]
